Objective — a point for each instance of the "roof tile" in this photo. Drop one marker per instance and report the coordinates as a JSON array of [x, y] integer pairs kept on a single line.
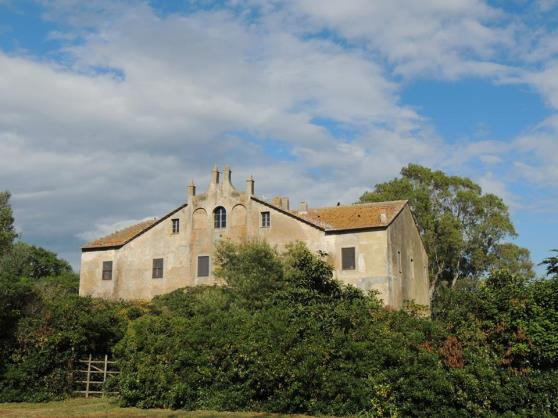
[[362, 215], [121, 237]]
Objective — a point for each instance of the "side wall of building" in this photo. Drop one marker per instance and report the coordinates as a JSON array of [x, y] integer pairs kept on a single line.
[[408, 260], [132, 274], [91, 282], [370, 272]]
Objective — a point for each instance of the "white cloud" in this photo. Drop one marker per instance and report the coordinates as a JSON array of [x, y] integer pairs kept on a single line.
[[143, 102]]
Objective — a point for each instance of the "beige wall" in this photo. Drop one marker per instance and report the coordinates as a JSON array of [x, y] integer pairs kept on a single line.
[[132, 263], [370, 272], [409, 262]]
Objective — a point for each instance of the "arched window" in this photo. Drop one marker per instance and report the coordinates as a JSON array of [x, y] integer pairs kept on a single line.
[[220, 217]]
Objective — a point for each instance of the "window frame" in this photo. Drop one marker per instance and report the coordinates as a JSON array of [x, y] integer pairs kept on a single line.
[[106, 270], [175, 226], [343, 264], [208, 266], [157, 271], [219, 217], [265, 214]]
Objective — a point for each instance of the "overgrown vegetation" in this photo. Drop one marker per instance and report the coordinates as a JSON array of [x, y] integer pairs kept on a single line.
[[281, 335]]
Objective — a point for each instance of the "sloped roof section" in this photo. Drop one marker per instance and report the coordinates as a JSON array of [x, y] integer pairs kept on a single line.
[[358, 216], [123, 236], [120, 237]]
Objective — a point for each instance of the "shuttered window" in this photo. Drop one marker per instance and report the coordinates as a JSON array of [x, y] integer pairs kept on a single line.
[[157, 268], [203, 266], [107, 270], [348, 258]]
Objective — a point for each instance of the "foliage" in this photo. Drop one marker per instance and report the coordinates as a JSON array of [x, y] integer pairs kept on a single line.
[[515, 317], [462, 228], [49, 328], [33, 262], [308, 344], [514, 259], [7, 228], [551, 265]]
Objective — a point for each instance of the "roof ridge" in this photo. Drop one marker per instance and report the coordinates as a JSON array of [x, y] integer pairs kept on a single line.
[[355, 204]]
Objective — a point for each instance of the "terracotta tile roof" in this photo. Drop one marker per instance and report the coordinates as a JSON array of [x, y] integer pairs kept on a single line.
[[362, 215], [120, 237], [339, 218]]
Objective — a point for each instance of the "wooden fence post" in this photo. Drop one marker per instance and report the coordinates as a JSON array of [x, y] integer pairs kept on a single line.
[[88, 380]]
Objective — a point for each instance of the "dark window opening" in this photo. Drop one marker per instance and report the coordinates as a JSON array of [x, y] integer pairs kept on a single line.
[[220, 217], [107, 270], [348, 261], [175, 226], [203, 266], [266, 219], [157, 268]]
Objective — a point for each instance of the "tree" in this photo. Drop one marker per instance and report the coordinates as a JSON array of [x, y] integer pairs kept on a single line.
[[7, 229], [461, 227], [33, 262], [514, 259], [551, 265]]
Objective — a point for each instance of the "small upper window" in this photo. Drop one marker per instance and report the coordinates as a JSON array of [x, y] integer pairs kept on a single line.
[[266, 219], [203, 266], [157, 268], [107, 270], [220, 217], [175, 226], [348, 258]]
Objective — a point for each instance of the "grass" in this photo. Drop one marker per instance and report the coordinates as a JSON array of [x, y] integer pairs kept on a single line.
[[106, 407]]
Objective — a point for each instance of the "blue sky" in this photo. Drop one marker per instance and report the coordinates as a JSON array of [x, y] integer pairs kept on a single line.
[[108, 108]]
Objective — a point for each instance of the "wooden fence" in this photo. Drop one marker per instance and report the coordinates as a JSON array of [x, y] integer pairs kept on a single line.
[[91, 376]]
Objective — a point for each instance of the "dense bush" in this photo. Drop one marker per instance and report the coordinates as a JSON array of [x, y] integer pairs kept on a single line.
[[51, 327], [281, 335]]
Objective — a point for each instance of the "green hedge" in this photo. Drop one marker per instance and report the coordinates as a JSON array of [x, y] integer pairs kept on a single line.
[[280, 335]]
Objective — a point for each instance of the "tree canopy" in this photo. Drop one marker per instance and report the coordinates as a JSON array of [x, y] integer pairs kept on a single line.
[[7, 228], [551, 264], [463, 229]]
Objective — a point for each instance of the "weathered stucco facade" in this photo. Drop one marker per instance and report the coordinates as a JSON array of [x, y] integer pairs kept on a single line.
[[371, 246]]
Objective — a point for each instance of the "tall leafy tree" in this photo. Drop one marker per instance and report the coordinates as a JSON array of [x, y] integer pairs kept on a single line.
[[7, 229], [461, 226]]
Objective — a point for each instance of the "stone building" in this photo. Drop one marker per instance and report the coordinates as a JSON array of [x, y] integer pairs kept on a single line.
[[371, 246]]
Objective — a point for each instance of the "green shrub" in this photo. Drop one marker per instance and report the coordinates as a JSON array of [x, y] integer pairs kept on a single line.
[[56, 328]]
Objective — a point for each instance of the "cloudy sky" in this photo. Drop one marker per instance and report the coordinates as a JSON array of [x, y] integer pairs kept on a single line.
[[108, 108]]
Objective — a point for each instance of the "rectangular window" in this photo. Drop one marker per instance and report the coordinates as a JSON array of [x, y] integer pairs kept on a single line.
[[399, 263], [107, 270], [348, 258], [203, 266], [157, 268], [266, 219], [175, 226]]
